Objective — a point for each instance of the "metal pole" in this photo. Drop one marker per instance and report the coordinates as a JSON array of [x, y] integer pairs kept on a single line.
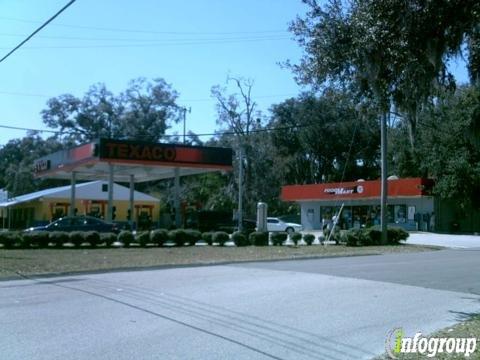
[[335, 223], [73, 184], [132, 190], [176, 190], [110, 192], [384, 186], [240, 189], [184, 124]]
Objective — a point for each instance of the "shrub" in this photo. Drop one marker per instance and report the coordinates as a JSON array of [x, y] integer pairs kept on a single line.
[[92, 237], [296, 237], [59, 238], [309, 239], [220, 237], [143, 238], [278, 238], [77, 238], [352, 237], [38, 238], [126, 238], [108, 238], [339, 236], [159, 236], [396, 234], [208, 237], [10, 238], [227, 229], [192, 236], [239, 239], [259, 238], [178, 236], [373, 236]]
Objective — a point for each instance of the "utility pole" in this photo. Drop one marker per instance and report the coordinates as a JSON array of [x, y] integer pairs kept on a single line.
[[185, 123], [240, 189], [384, 187]]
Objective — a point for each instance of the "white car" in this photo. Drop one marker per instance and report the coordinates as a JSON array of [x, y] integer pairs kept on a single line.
[[275, 224]]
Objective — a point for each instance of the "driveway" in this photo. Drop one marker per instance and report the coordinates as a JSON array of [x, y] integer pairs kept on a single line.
[[447, 240], [338, 308]]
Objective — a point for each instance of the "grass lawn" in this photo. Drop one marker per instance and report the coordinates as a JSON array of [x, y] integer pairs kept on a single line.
[[16, 262], [467, 329]]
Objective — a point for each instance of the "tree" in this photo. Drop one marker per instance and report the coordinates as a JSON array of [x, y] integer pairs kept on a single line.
[[314, 139], [394, 52], [144, 112], [448, 146], [237, 113], [16, 163]]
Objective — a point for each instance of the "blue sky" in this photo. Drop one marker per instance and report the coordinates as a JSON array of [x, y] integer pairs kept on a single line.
[[192, 44], [198, 43]]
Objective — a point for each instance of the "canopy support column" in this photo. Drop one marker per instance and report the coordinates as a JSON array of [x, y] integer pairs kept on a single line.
[[176, 190], [131, 206], [73, 184], [110, 193]]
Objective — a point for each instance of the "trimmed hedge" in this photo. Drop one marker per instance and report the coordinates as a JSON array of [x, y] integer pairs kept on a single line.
[[92, 237], [178, 236], [159, 237], [239, 239], [208, 237], [10, 238], [126, 238], [77, 238], [373, 236], [192, 236], [36, 238], [220, 237], [278, 238], [309, 239], [259, 238], [59, 238], [296, 237], [143, 238], [108, 238]]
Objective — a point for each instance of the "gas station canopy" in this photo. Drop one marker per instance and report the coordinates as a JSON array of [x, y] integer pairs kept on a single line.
[[146, 161]]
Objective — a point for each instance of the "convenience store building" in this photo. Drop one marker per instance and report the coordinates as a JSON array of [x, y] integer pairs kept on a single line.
[[411, 206]]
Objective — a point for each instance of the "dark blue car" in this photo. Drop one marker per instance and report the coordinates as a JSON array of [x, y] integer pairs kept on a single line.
[[78, 223]]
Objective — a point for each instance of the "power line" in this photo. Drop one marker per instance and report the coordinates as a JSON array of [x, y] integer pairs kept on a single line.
[[217, 133], [156, 44], [143, 31], [29, 129], [38, 29], [13, 93], [253, 36]]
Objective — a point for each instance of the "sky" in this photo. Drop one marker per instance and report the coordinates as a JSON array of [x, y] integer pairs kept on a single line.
[[192, 44]]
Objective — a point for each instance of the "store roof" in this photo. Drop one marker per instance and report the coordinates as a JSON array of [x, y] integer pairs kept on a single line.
[[357, 190], [93, 190]]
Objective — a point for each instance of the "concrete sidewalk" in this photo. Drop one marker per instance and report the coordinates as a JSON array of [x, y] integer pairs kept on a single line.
[[447, 240], [426, 238]]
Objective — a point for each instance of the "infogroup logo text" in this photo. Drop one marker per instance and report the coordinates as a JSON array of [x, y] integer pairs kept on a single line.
[[397, 343]]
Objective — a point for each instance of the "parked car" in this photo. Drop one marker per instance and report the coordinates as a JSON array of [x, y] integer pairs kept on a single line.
[[78, 223], [275, 224]]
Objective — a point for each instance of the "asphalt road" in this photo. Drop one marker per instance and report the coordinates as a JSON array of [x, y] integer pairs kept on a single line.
[[338, 308]]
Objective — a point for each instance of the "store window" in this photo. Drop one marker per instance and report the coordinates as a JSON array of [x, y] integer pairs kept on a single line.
[[397, 214]]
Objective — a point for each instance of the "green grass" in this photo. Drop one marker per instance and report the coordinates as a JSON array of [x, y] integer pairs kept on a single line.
[[57, 261]]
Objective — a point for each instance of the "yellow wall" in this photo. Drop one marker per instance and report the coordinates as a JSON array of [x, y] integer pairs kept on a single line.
[[42, 209]]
